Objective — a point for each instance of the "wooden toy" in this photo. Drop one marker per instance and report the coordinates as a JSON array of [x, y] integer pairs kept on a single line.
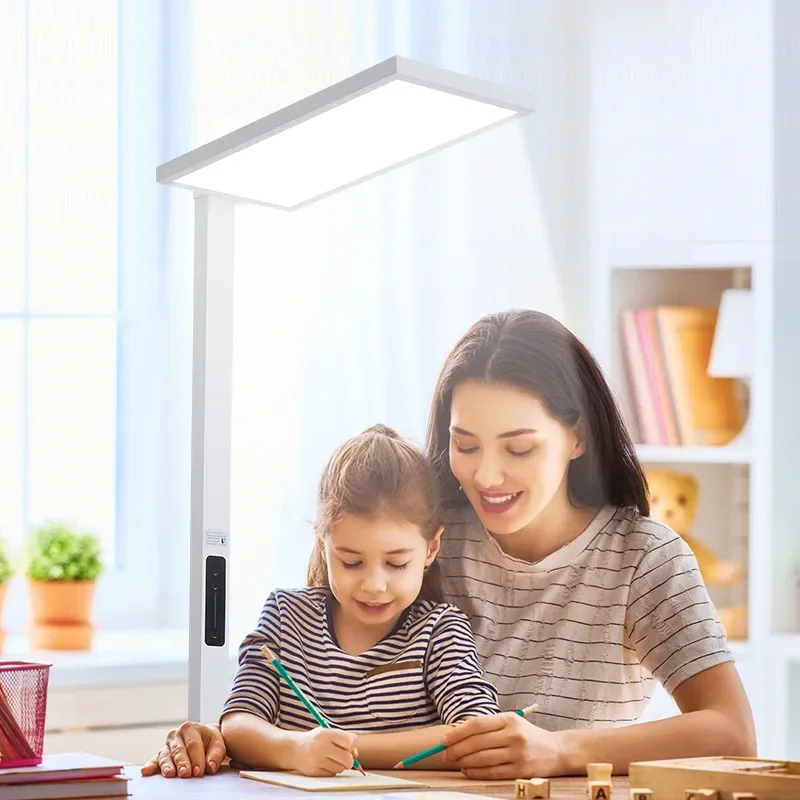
[[532, 789], [744, 796], [673, 501], [599, 790], [599, 772], [674, 497], [669, 779], [700, 794], [641, 794]]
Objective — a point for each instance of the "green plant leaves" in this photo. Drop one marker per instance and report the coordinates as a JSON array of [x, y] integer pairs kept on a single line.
[[59, 553], [5, 565]]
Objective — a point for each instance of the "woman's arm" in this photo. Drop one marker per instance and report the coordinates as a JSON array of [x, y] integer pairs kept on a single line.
[[191, 750], [716, 720]]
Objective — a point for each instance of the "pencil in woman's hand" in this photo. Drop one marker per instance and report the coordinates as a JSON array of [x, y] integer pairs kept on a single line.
[[432, 751], [284, 673]]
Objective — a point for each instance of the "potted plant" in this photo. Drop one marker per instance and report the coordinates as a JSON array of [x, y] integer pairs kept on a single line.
[[63, 565], [5, 575]]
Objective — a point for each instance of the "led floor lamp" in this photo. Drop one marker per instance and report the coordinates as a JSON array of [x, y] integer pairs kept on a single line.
[[386, 116]]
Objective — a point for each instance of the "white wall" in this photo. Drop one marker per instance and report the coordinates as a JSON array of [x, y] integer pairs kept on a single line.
[[681, 126]]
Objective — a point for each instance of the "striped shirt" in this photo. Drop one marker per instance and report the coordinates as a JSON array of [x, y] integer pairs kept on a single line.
[[426, 671], [587, 631]]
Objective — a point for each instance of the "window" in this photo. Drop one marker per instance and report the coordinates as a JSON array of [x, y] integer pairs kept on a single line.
[[82, 312]]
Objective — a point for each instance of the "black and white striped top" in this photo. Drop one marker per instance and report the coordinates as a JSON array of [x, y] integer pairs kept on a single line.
[[426, 671], [587, 631]]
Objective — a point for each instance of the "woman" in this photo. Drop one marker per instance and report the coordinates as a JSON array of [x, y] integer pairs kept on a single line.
[[578, 601]]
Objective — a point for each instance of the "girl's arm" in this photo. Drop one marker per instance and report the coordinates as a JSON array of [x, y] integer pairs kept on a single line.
[[257, 743], [252, 740], [454, 681], [454, 678], [384, 750]]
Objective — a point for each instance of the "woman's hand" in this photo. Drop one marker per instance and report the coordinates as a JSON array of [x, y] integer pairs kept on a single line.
[[324, 752], [190, 751], [502, 746]]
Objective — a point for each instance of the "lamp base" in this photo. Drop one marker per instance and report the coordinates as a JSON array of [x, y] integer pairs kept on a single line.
[[744, 438]]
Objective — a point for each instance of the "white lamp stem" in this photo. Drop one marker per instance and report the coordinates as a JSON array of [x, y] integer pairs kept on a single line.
[[209, 663]]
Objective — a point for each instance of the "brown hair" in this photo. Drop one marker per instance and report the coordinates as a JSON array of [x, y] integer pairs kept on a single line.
[[373, 473], [534, 352]]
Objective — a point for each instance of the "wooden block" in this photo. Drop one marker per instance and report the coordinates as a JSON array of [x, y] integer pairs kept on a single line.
[[701, 794], [599, 790], [532, 789], [599, 772], [540, 788], [744, 796], [641, 794]]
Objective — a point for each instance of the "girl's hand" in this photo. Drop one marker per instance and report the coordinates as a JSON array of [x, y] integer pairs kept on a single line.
[[502, 746], [325, 752]]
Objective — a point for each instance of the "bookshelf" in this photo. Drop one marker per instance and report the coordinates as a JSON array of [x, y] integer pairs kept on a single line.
[[677, 454], [744, 508]]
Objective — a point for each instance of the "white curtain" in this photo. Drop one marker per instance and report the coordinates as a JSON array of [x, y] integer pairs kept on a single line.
[[345, 310]]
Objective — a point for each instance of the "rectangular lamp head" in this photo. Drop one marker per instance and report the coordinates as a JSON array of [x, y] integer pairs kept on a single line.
[[368, 124]]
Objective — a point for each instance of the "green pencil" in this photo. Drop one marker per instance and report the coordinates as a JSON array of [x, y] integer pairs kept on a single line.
[[284, 673], [432, 751]]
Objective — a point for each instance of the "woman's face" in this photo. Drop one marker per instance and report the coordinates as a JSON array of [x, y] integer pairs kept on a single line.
[[508, 453]]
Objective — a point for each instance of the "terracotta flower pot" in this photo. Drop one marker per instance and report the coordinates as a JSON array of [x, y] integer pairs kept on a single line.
[[61, 611], [60, 636], [61, 601]]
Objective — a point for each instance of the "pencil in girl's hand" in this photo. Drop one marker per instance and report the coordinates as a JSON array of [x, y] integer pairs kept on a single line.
[[432, 751], [284, 673]]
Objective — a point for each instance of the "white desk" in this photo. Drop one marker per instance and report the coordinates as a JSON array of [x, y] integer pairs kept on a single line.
[[228, 785]]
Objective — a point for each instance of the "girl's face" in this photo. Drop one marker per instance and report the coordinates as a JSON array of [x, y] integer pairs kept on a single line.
[[375, 567], [509, 454]]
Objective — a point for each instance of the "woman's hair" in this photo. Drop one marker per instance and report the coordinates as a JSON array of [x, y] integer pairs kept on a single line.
[[378, 473], [531, 351]]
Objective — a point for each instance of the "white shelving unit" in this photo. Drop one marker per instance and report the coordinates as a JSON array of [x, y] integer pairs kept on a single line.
[[670, 454], [738, 500]]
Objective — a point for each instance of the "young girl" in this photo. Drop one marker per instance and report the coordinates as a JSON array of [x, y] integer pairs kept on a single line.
[[369, 642]]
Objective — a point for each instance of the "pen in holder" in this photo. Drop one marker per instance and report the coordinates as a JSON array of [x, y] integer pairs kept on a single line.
[[23, 704]]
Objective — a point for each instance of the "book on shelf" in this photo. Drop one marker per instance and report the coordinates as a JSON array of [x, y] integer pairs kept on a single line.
[[675, 401]]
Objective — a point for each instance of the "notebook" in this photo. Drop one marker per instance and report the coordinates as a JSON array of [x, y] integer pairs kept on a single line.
[[349, 780]]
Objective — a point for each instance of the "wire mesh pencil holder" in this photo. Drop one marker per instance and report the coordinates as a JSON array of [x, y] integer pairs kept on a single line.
[[23, 704]]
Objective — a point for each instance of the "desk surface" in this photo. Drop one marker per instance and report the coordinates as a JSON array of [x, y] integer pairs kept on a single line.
[[228, 784]]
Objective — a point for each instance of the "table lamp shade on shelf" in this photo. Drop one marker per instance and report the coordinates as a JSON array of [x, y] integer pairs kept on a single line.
[[732, 350]]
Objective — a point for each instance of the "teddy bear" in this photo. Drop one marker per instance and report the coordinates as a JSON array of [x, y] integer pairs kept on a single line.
[[673, 500]]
